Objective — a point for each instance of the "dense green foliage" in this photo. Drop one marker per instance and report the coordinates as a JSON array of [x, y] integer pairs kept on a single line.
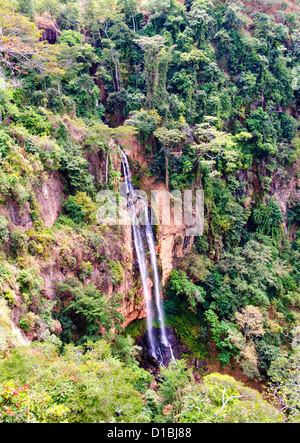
[[211, 91]]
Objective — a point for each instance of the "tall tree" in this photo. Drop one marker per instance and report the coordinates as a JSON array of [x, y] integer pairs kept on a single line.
[[106, 22], [169, 139], [157, 58], [20, 48]]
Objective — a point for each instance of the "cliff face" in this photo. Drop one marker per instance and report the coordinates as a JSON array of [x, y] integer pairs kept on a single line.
[[64, 254], [49, 197], [173, 242], [65, 259], [49, 29], [284, 188], [49, 200]]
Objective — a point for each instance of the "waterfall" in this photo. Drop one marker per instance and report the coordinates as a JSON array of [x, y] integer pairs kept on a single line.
[[157, 349], [158, 298], [140, 252]]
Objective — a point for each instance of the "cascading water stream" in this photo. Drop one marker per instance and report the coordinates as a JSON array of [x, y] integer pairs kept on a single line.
[[155, 348], [161, 317], [140, 252]]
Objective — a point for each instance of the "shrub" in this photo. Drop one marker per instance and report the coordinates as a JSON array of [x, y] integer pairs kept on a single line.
[[81, 208], [91, 307], [73, 209], [175, 378], [67, 259], [18, 242], [85, 269], [188, 294], [27, 321], [289, 127], [85, 94], [75, 167], [268, 218], [3, 229], [75, 387], [36, 123], [30, 284], [117, 272], [9, 295], [5, 143]]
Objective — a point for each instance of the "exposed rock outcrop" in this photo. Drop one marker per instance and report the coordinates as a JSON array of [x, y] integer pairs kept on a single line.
[[173, 245], [49, 197], [49, 28]]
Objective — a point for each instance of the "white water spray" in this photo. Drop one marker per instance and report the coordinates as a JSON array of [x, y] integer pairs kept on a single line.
[[140, 252], [158, 298], [141, 256]]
